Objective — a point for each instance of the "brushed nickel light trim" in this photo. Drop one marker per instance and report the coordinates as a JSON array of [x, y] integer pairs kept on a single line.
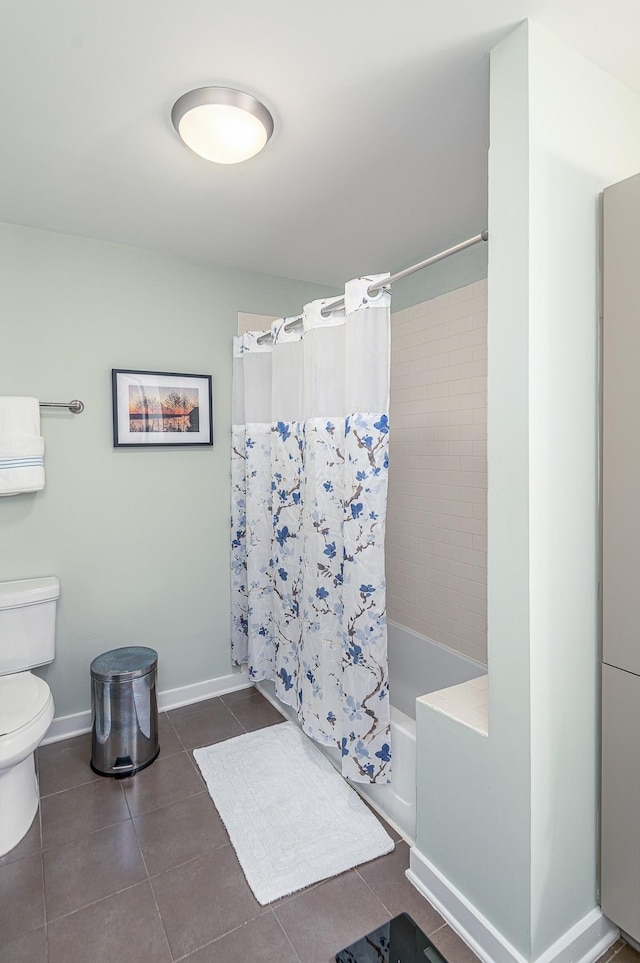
[[194, 130]]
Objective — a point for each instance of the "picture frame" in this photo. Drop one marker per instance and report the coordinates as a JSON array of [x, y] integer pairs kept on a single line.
[[161, 408]]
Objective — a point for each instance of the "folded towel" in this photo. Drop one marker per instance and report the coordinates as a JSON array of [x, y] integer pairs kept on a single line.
[[21, 447], [21, 464], [19, 416]]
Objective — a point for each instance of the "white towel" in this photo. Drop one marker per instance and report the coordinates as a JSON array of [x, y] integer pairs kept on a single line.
[[21, 446]]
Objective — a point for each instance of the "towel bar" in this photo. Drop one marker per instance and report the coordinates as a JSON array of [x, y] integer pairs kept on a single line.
[[77, 407]]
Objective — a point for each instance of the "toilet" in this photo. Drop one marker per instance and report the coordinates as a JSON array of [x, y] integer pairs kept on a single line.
[[27, 640]]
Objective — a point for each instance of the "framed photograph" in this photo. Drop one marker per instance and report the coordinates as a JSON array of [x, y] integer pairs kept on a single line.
[[161, 408]]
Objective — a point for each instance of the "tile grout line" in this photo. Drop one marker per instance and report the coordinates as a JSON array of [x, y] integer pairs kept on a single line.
[[74, 839], [44, 890], [190, 751], [94, 902], [44, 897], [80, 785], [132, 815], [194, 859], [244, 729], [153, 894], [373, 892], [133, 885], [65, 842], [277, 919], [239, 721], [234, 929], [232, 713], [175, 732], [173, 728]]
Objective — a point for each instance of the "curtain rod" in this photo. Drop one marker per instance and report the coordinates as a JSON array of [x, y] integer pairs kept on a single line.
[[378, 285]]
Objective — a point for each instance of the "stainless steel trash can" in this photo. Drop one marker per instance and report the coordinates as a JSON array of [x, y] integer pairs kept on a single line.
[[124, 707]]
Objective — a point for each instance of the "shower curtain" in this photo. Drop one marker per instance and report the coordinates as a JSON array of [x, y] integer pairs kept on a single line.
[[309, 487]]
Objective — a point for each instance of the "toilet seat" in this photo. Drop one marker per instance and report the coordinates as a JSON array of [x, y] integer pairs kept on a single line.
[[23, 698]]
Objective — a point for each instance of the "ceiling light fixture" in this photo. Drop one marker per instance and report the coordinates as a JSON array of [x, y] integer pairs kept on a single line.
[[223, 125]]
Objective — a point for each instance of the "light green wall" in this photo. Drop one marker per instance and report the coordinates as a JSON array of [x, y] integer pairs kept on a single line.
[[515, 814], [138, 538]]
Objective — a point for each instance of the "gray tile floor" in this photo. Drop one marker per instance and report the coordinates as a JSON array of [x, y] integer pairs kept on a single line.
[[142, 871]]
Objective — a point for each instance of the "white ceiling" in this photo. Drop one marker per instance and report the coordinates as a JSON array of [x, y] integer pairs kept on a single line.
[[379, 156]]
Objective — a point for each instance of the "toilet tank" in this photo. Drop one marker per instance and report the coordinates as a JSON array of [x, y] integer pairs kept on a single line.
[[27, 623]]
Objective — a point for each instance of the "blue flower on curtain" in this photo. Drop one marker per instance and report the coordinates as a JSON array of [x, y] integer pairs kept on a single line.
[[384, 753], [353, 709], [382, 425]]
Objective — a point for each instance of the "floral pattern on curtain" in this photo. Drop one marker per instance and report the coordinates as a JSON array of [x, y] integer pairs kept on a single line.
[[309, 486]]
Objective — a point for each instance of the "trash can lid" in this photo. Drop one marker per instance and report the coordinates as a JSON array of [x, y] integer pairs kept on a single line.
[[124, 664]]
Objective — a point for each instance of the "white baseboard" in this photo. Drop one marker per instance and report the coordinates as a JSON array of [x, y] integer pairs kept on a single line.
[[65, 727], [584, 942], [199, 691]]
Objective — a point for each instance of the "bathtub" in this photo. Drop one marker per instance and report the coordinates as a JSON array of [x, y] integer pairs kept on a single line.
[[417, 665]]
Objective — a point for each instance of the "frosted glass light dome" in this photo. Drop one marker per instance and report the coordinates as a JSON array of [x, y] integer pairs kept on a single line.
[[223, 125]]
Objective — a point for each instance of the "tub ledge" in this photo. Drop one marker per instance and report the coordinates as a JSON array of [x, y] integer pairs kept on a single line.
[[467, 703]]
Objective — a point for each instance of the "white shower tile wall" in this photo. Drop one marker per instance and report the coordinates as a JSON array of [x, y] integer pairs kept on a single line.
[[253, 322], [437, 511]]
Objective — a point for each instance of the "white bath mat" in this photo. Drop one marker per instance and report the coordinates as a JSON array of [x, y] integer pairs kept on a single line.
[[292, 819]]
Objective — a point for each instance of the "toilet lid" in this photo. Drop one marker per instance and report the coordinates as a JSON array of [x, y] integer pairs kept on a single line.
[[22, 698]]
